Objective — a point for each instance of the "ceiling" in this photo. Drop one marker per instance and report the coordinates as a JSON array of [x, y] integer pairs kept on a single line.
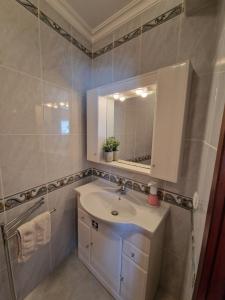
[[95, 19], [94, 12]]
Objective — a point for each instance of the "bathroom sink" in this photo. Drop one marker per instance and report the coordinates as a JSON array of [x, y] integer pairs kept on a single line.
[[108, 206]]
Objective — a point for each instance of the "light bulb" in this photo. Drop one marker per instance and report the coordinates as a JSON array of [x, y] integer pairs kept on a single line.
[[122, 98], [49, 105], [144, 94], [61, 103], [116, 96], [138, 92]]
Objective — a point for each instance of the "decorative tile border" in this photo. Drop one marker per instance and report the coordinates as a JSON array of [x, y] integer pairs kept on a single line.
[[36, 192], [141, 158], [170, 14]]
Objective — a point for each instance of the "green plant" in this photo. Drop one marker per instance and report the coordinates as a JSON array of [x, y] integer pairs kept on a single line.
[[111, 144], [115, 143], [107, 146]]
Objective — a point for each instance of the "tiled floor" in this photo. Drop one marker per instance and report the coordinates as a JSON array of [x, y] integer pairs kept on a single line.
[[72, 281]]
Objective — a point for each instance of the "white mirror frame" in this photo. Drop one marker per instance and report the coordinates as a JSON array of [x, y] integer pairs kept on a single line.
[[173, 87]]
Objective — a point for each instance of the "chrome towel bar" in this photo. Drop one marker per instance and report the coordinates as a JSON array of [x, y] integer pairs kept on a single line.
[[6, 229]]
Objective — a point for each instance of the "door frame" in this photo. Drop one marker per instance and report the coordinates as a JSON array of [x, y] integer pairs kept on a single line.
[[210, 281]]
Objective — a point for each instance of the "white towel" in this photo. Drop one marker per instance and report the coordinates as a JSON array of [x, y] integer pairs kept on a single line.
[[42, 224], [26, 241], [33, 235]]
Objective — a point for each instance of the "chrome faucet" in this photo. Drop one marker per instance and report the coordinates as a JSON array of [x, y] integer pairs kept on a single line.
[[122, 183]]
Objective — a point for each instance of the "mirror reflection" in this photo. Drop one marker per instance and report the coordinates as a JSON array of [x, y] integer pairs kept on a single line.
[[130, 121]]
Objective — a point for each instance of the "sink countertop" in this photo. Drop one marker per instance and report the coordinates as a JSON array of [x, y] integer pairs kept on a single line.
[[147, 217]]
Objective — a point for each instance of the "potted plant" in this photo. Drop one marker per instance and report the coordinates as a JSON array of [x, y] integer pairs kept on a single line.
[[108, 150], [115, 144]]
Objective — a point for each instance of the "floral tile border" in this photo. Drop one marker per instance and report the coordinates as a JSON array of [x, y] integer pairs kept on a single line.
[[36, 192], [25, 196], [172, 13]]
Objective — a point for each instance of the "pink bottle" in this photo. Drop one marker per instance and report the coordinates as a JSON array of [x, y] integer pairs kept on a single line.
[[153, 197]]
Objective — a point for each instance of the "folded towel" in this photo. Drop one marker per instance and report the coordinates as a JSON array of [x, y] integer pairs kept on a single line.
[[42, 224], [33, 235], [26, 241]]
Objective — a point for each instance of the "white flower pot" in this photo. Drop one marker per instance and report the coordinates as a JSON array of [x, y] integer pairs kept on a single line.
[[109, 156], [116, 155]]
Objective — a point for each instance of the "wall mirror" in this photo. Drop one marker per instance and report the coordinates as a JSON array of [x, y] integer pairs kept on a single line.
[[137, 124], [130, 119]]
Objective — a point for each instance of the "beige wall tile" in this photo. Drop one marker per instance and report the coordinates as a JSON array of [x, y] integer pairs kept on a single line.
[[126, 60], [19, 37], [160, 46], [102, 72], [56, 57], [195, 43], [22, 162], [21, 110]]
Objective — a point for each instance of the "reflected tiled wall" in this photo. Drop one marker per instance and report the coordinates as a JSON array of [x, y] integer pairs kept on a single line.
[[43, 78]]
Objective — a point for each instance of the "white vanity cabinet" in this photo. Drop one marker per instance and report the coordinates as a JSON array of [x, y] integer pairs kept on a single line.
[[123, 258]]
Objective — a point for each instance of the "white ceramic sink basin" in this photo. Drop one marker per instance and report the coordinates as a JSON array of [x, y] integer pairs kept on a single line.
[[108, 206]]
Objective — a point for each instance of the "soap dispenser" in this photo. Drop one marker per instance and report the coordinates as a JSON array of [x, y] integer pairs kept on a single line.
[[152, 196]]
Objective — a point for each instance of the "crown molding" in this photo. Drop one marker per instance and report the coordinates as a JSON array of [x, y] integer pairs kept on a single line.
[[126, 14], [121, 17], [72, 17]]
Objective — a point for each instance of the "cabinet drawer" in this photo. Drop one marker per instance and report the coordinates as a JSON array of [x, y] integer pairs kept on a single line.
[[136, 255], [140, 241], [84, 217], [133, 280]]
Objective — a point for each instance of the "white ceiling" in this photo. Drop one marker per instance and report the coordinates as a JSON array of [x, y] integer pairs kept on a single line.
[[95, 19], [94, 12]]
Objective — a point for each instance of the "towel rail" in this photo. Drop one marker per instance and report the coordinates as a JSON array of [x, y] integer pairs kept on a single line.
[[5, 229]]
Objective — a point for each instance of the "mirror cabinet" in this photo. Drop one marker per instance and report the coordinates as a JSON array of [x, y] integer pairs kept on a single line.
[[142, 119]]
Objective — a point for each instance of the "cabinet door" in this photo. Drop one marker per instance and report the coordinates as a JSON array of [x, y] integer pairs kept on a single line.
[[133, 280], [106, 255], [173, 86], [84, 242]]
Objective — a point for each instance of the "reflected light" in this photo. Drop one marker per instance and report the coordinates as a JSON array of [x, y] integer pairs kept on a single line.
[[65, 127], [116, 96], [122, 99]]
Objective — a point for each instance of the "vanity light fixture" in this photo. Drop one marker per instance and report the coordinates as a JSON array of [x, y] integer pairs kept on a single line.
[[116, 96], [138, 92], [144, 94], [122, 98]]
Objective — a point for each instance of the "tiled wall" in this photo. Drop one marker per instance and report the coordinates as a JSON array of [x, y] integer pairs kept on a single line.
[[42, 128], [176, 40], [39, 143], [211, 136]]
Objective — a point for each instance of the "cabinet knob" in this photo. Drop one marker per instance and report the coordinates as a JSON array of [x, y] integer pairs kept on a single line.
[[153, 166], [121, 278], [132, 254], [92, 244], [87, 246], [82, 218]]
